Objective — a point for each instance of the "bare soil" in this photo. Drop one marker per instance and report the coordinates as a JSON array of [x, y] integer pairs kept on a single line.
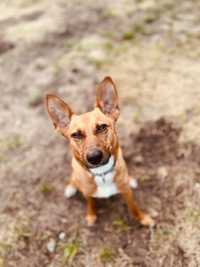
[[151, 49]]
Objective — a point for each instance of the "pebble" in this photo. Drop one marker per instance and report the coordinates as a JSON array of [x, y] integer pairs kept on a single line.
[[41, 63], [62, 236], [154, 213], [97, 55], [138, 159], [51, 245], [197, 187], [162, 172]]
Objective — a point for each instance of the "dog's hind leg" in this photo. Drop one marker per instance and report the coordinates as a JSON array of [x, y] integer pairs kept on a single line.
[[143, 218]]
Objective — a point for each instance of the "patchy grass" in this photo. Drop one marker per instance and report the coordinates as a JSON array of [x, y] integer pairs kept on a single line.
[[120, 225], [26, 3], [109, 35], [35, 98], [128, 35], [46, 188], [3, 158], [23, 231], [163, 234], [4, 248], [194, 215], [10, 143], [110, 13], [70, 252], [107, 255], [70, 44], [144, 178]]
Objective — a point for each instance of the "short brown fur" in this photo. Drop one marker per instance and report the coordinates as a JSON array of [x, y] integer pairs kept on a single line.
[[80, 130]]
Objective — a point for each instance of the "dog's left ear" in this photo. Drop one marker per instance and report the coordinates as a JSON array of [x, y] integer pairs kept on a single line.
[[107, 98]]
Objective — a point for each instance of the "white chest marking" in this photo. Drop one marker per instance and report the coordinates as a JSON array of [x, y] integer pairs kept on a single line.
[[103, 176], [105, 186]]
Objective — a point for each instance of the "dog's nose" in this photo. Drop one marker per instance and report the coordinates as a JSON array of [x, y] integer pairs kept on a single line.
[[94, 157]]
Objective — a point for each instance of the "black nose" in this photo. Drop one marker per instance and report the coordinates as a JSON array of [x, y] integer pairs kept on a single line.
[[94, 157]]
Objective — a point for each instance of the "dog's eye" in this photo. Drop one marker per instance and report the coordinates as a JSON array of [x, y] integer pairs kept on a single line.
[[77, 135], [100, 128]]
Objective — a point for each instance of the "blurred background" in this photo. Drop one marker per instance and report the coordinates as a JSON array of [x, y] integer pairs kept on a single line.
[[151, 50]]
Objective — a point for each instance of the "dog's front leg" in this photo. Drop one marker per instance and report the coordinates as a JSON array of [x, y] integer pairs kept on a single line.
[[143, 218], [91, 211], [70, 189]]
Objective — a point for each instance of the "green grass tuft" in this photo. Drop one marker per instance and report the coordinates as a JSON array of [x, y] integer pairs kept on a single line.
[[70, 252], [128, 35], [46, 188], [120, 225], [106, 255], [144, 178]]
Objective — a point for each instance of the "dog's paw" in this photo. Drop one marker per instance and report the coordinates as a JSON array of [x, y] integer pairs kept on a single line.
[[70, 191], [133, 183], [91, 219], [147, 221]]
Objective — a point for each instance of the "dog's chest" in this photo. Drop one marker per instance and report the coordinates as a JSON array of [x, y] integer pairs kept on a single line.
[[105, 185]]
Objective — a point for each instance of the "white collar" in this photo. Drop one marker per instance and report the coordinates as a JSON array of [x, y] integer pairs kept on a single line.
[[104, 169]]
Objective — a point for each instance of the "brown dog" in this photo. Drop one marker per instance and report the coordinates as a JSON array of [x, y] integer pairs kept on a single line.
[[99, 170]]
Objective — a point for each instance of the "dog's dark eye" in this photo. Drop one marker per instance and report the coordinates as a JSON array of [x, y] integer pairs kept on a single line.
[[77, 135], [100, 128]]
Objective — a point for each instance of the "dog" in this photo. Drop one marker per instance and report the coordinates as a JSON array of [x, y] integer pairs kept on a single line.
[[99, 170]]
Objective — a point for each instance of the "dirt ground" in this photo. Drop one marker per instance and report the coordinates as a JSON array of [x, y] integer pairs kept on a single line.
[[151, 49]]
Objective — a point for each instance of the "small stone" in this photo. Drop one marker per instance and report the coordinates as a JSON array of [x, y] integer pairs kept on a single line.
[[138, 159], [5, 46], [183, 152], [62, 236], [51, 245], [97, 55], [162, 172], [197, 187], [41, 63], [154, 213]]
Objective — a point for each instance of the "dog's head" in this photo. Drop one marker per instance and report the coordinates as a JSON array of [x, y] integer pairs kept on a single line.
[[92, 135]]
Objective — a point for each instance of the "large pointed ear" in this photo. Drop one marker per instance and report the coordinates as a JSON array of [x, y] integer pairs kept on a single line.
[[107, 98], [59, 112]]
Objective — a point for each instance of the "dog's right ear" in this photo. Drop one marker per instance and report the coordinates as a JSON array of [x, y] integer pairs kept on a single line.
[[59, 112]]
